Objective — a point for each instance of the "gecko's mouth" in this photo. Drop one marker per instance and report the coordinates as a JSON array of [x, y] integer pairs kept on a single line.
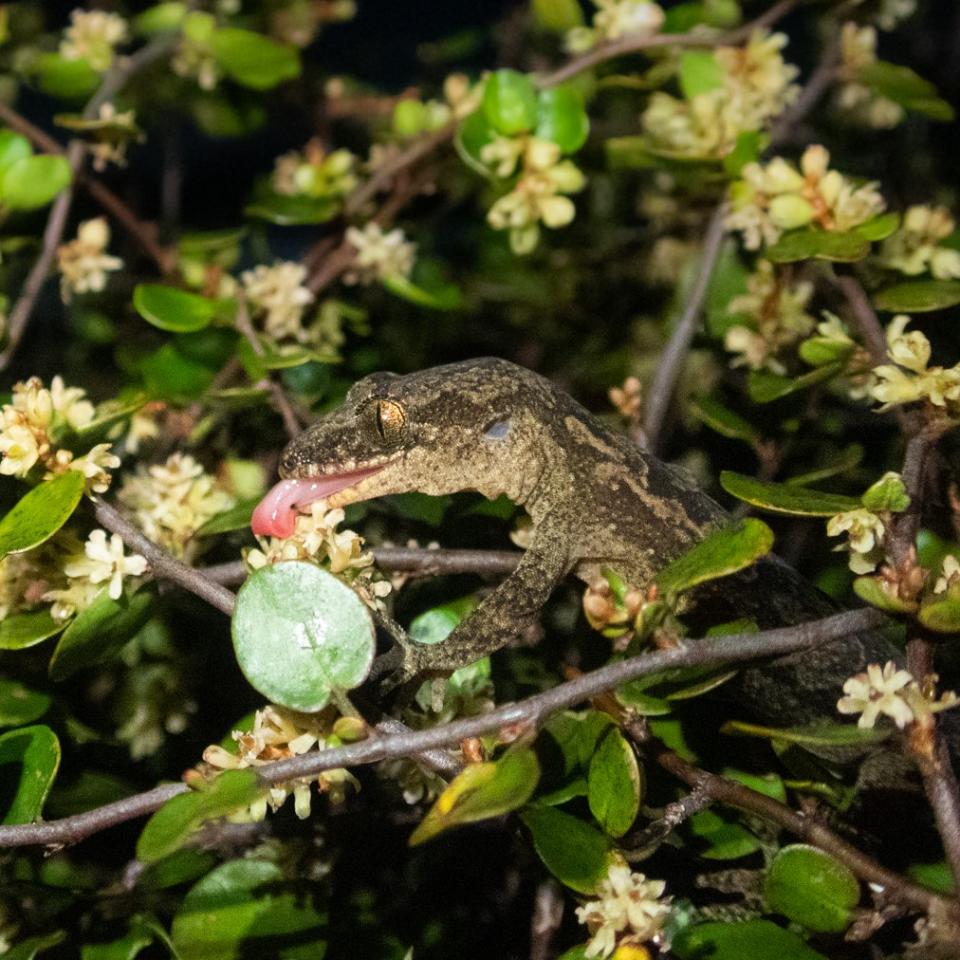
[[276, 513]]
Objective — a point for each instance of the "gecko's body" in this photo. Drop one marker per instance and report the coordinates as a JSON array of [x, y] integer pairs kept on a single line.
[[594, 498]]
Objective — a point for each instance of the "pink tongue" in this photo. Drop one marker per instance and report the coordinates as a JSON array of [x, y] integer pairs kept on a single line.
[[276, 513]]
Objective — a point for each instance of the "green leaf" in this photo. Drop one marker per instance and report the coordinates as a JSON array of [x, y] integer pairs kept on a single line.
[[577, 734], [299, 633], [577, 854], [13, 147], [236, 518], [446, 297], [287, 211], [29, 948], [615, 784], [253, 60], [699, 73], [39, 514], [934, 876], [747, 149], [473, 134], [510, 102], [918, 296], [819, 351], [29, 759], [33, 182], [810, 244], [557, 16], [824, 734], [171, 375], [879, 227], [19, 704], [902, 85], [126, 947], [248, 908], [871, 590], [24, 630], [183, 866], [172, 309], [725, 837], [723, 420], [174, 823], [562, 119], [721, 553], [435, 625], [888, 493], [749, 940], [160, 18], [64, 79], [789, 498], [940, 612], [481, 791], [98, 633], [765, 387], [812, 888], [845, 460]]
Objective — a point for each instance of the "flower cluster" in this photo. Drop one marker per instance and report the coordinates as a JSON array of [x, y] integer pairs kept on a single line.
[[776, 315], [26, 577], [614, 19], [865, 535], [949, 574], [774, 197], [893, 693], [194, 58], [151, 702], [858, 46], [312, 172], [915, 247], [171, 500], [83, 262], [279, 733], [756, 84], [101, 561], [278, 292], [317, 540], [538, 196], [629, 909], [93, 36], [33, 422], [110, 135], [909, 378], [379, 255]]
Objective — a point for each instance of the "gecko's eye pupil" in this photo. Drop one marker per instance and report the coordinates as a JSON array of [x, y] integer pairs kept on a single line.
[[390, 420]]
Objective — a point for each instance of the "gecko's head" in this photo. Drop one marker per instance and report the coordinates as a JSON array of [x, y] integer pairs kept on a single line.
[[465, 426]]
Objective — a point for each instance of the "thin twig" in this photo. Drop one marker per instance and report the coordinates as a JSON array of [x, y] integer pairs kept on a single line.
[[114, 81], [528, 714], [638, 42], [735, 794], [162, 563], [675, 353], [820, 81]]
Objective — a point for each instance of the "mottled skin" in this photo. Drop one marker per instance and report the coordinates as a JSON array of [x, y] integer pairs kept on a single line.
[[595, 501]]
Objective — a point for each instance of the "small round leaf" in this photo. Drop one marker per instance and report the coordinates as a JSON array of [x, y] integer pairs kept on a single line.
[[29, 758], [20, 704], [171, 309], [562, 119], [33, 182], [24, 630], [38, 515], [510, 102], [299, 633], [812, 888], [573, 851], [614, 784], [253, 60]]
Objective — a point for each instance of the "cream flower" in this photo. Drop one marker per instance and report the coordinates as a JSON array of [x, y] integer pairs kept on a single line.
[[614, 19], [914, 248], [83, 263], [878, 691], [92, 36], [949, 574], [859, 49], [19, 447], [313, 172], [280, 293], [95, 465], [629, 910], [379, 255], [866, 534], [104, 560]]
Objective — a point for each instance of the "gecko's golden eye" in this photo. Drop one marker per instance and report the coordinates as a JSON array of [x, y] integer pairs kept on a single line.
[[391, 421]]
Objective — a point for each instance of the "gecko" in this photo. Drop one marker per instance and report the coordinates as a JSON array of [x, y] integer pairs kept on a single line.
[[595, 499]]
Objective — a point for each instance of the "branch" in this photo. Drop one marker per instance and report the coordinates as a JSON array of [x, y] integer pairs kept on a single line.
[[114, 81], [529, 714], [822, 78], [638, 42], [674, 355], [163, 565], [734, 794]]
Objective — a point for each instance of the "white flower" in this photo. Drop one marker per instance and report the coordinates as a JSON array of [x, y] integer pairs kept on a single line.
[[865, 537], [83, 263], [914, 248], [104, 560], [878, 692], [92, 36], [950, 574], [18, 446], [379, 255], [279, 291], [629, 909]]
